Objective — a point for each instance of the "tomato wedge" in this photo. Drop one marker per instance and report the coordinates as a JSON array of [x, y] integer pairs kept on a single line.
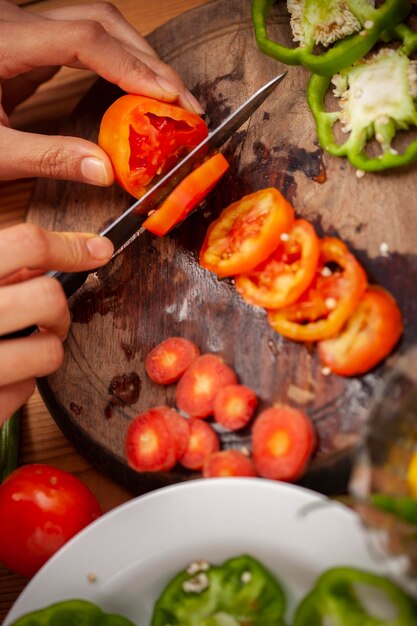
[[168, 360], [203, 441], [287, 272], [228, 463], [200, 384], [323, 309], [234, 406], [144, 138], [283, 440], [368, 337], [246, 232], [188, 193], [149, 444]]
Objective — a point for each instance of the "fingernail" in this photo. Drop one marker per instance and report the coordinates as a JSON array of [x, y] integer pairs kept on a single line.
[[194, 102], [94, 171], [100, 248], [166, 85]]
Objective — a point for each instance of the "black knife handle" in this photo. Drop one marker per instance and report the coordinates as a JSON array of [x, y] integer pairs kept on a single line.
[[70, 281]]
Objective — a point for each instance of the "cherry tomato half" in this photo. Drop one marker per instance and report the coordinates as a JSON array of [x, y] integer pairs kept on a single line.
[[41, 508], [246, 232], [368, 337], [144, 138], [185, 197], [286, 273], [323, 309]]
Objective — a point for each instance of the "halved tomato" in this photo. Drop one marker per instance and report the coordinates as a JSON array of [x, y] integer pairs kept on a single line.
[[246, 232], [324, 308], [188, 193], [228, 463], [286, 273], [168, 360], [368, 336], [203, 441], [149, 444]]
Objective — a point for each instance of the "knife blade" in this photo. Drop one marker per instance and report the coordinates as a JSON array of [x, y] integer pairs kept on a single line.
[[127, 227]]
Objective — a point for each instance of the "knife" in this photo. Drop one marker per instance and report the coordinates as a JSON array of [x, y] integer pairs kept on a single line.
[[128, 226]]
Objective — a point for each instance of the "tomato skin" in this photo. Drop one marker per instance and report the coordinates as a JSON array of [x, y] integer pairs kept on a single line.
[[310, 318], [203, 442], [228, 463], [283, 440], [149, 443], [234, 406], [246, 232], [144, 137], [282, 278], [368, 336], [41, 508], [200, 384], [167, 361], [186, 195]]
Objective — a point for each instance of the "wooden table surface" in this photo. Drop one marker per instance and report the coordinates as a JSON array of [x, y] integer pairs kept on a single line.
[[41, 440]]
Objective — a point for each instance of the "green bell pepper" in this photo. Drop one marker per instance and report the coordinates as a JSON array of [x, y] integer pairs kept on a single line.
[[378, 97], [72, 613], [402, 507], [351, 597], [355, 26], [240, 592]]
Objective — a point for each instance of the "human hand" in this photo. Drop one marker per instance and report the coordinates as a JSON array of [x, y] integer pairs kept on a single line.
[[96, 37], [28, 297]]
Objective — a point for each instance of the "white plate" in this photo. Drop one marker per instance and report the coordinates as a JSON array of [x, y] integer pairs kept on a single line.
[[134, 550]]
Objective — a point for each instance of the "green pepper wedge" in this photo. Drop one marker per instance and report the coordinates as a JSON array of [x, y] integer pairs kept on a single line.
[[402, 507], [238, 592], [336, 599], [72, 613], [371, 22], [378, 98]]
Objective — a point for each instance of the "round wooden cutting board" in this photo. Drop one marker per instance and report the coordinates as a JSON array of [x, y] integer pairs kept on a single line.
[[156, 288]]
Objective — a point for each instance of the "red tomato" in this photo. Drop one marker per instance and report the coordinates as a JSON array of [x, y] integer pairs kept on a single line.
[[246, 233], [283, 440], [227, 463], [368, 337], [41, 508], [188, 193], [150, 445], [179, 427], [200, 384], [167, 361], [203, 441], [330, 300], [234, 406], [145, 138], [286, 273]]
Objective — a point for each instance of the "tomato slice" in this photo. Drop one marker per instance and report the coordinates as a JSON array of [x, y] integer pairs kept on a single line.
[[168, 360], [144, 138], [188, 193], [227, 463], [286, 273], [368, 336], [283, 440], [246, 232], [323, 309], [234, 406], [201, 383], [179, 427], [203, 442], [149, 444]]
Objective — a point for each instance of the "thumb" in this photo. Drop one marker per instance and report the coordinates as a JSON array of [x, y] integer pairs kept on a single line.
[[27, 155]]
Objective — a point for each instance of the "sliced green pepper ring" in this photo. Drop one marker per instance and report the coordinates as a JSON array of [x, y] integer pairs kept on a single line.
[[335, 599], [393, 66], [76, 612], [344, 52]]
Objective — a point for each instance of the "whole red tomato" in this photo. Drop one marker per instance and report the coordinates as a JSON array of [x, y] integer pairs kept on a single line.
[[41, 508]]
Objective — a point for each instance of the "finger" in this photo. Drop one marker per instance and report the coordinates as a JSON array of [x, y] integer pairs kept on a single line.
[[40, 302], [28, 246], [14, 396], [83, 43], [31, 357], [24, 155], [20, 276]]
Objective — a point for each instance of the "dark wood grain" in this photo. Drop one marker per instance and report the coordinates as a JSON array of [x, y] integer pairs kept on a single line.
[[156, 287]]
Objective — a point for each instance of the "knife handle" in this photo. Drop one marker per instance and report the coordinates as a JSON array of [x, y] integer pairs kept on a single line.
[[70, 281]]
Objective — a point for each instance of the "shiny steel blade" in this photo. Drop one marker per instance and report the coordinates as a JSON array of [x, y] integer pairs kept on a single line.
[[128, 225]]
